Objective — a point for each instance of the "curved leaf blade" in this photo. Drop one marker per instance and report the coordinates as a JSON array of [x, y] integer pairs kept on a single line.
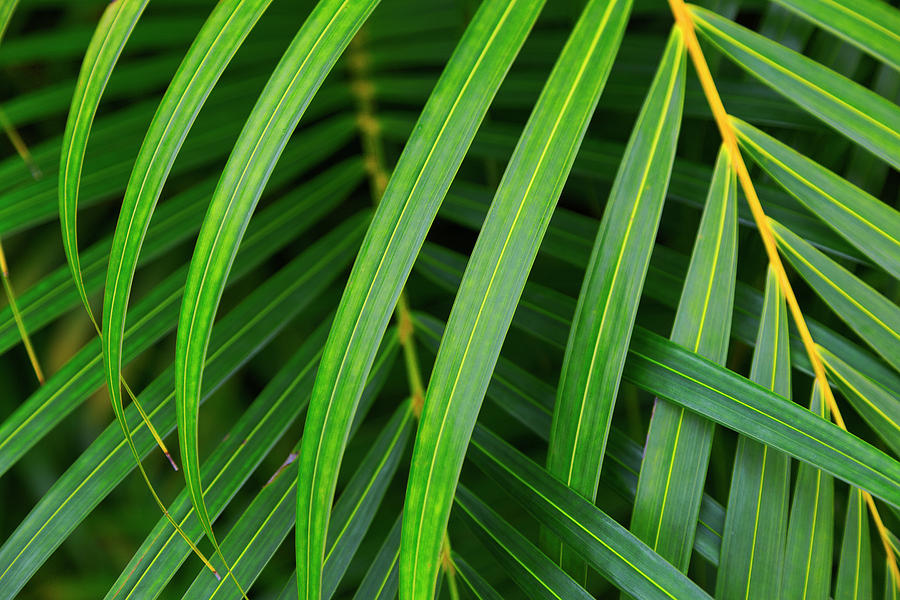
[[296, 79], [106, 45], [493, 282], [413, 194], [756, 519], [218, 40], [607, 304], [237, 337]]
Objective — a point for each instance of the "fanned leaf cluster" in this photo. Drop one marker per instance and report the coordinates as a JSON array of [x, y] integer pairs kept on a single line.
[[450, 299]]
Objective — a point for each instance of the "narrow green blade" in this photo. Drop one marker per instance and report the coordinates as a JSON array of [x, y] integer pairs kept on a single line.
[[262, 527], [216, 43], [756, 519], [807, 565], [294, 82], [6, 11], [876, 405], [891, 587], [608, 301], [361, 498], [871, 25], [106, 45], [609, 548], [257, 534], [854, 111], [680, 376], [569, 239], [676, 453], [419, 182], [227, 468], [872, 316], [155, 315], [252, 437], [854, 576], [861, 219], [494, 278]]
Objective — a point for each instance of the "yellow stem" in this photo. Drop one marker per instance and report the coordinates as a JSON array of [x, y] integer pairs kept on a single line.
[[729, 139], [17, 317], [20, 146]]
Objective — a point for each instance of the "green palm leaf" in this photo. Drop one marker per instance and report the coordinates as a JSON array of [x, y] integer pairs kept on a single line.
[[756, 519], [678, 443], [410, 201], [872, 226], [219, 38], [109, 459], [609, 548], [599, 338], [581, 251], [494, 279], [875, 404], [529, 568], [869, 24], [288, 92], [112, 32], [854, 576], [807, 566]]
